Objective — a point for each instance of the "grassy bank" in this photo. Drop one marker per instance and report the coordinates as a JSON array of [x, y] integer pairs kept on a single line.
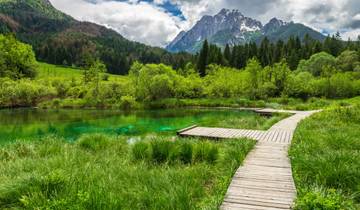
[[325, 158], [276, 103], [102, 172], [245, 120]]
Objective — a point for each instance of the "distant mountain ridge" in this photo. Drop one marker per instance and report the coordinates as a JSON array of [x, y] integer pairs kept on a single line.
[[60, 39], [232, 27]]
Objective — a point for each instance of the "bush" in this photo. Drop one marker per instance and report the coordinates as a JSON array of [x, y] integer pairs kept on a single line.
[[93, 142], [323, 199], [23, 92], [153, 82], [128, 102], [348, 60], [316, 64], [61, 87], [17, 60]]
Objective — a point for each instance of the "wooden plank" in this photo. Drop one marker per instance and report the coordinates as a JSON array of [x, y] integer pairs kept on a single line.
[[265, 180]]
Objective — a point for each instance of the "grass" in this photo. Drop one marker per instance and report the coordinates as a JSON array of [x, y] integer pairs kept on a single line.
[[325, 157], [53, 72], [249, 120], [276, 103], [107, 172], [58, 74]]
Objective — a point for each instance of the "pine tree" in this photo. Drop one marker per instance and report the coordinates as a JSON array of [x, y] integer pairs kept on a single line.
[[227, 53], [203, 59], [264, 52], [279, 51]]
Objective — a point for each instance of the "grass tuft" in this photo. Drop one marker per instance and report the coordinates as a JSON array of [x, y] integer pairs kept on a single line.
[[93, 142]]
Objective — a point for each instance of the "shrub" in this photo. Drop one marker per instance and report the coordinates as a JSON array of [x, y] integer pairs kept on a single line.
[[23, 92], [317, 63], [323, 199], [348, 60], [128, 102], [93, 142], [17, 60], [299, 85], [153, 81], [341, 86], [61, 87]]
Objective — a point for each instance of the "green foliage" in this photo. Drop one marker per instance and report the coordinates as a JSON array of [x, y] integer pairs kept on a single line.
[[323, 199], [316, 64], [93, 142], [74, 178], [253, 68], [154, 82], [163, 151], [203, 59], [299, 85], [348, 61], [17, 60], [23, 92], [140, 151], [223, 82], [325, 155], [59, 39], [128, 103], [93, 73], [185, 153], [160, 151], [205, 152]]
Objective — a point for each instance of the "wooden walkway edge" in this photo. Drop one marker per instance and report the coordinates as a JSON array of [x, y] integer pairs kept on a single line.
[[265, 180]]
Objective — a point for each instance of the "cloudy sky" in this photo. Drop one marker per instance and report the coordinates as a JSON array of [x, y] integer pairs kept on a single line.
[[157, 22]]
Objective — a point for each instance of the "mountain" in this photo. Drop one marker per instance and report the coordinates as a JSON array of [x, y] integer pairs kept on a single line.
[[232, 27], [60, 39]]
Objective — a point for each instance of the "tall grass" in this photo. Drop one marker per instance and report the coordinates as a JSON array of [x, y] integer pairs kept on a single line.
[[326, 159], [91, 174], [175, 152]]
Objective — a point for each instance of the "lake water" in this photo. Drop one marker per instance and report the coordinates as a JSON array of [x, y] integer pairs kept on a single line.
[[70, 124]]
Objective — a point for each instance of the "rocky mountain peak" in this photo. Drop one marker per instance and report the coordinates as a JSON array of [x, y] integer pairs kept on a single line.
[[228, 12], [231, 27], [273, 25]]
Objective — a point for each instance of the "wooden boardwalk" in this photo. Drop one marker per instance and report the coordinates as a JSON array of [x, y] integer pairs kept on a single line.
[[264, 181]]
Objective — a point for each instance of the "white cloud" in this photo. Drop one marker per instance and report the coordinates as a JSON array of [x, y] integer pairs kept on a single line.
[[353, 34], [151, 24], [136, 21]]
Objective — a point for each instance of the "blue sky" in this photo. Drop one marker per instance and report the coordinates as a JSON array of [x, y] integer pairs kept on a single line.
[[157, 22], [169, 7]]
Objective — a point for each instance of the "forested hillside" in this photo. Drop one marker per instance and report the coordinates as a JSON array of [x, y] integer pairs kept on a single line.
[[322, 76], [60, 39], [267, 53]]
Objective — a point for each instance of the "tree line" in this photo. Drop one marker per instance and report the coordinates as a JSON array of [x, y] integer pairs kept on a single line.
[[267, 53]]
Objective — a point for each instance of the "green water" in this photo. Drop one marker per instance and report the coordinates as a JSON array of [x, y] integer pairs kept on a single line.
[[70, 124]]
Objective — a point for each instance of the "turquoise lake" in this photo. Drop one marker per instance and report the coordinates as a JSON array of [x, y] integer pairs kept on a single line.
[[35, 123]]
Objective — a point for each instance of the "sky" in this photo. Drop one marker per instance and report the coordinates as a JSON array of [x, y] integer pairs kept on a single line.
[[157, 22]]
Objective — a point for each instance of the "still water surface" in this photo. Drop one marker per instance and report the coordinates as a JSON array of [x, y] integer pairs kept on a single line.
[[70, 124]]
